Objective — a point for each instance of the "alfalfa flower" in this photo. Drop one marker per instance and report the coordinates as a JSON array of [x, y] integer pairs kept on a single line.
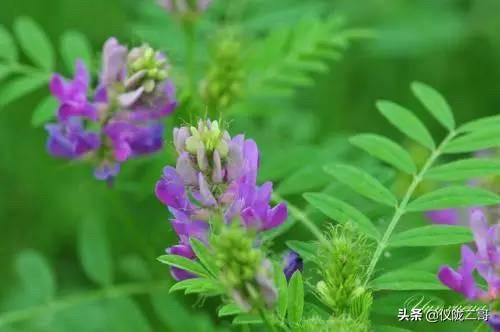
[[213, 196], [292, 262], [185, 9], [485, 260], [121, 119]]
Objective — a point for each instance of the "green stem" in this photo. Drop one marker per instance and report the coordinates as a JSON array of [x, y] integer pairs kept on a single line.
[[302, 217], [266, 320], [401, 208], [73, 300]]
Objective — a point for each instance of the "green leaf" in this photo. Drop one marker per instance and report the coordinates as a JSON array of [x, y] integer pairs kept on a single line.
[[184, 264], [363, 183], [306, 250], [474, 141], [342, 212], [5, 71], [36, 276], [75, 46], [7, 45], [229, 310], [44, 111], [34, 42], [385, 150], [453, 196], [282, 285], [20, 86], [306, 178], [431, 236], [482, 124], [464, 169], [198, 285], [407, 280], [94, 252], [406, 122], [204, 255], [295, 299], [245, 319], [434, 103]]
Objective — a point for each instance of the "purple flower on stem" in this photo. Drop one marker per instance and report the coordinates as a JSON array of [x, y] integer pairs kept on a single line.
[[72, 95], [133, 95], [292, 262], [486, 260], [215, 175], [184, 7]]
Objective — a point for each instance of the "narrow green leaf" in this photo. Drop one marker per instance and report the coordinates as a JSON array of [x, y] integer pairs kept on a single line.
[[94, 252], [184, 264], [204, 255], [363, 183], [431, 236], [75, 46], [306, 250], [282, 293], [295, 299], [482, 124], [36, 276], [44, 112], [296, 183], [406, 122], [20, 87], [342, 212], [407, 280], [434, 103], [34, 42], [7, 45], [453, 196], [229, 310], [464, 169], [245, 319], [208, 287], [385, 150], [474, 141]]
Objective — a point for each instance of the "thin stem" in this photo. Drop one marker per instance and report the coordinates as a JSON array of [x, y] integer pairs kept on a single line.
[[73, 300], [401, 208], [266, 320], [302, 217]]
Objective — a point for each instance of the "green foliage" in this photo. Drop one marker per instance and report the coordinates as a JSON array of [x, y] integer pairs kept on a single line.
[[35, 43], [363, 183], [464, 169], [295, 299], [430, 236], [407, 280], [342, 213], [95, 252]]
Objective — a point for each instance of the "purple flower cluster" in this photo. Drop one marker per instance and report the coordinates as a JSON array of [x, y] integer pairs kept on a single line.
[[122, 117], [184, 7], [486, 261], [215, 176]]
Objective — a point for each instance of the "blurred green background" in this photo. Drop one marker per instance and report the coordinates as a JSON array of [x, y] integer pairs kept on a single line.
[[56, 220]]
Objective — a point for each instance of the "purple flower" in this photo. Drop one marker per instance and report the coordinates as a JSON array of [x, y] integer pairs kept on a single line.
[[70, 140], [184, 7], [494, 322], [72, 95], [132, 97], [445, 216], [216, 174], [292, 262], [486, 261]]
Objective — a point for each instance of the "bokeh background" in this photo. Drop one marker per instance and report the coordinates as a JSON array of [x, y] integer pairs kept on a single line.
[[76, 255]]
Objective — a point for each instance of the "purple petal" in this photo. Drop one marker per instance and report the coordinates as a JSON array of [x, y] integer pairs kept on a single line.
[[170, 189]]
